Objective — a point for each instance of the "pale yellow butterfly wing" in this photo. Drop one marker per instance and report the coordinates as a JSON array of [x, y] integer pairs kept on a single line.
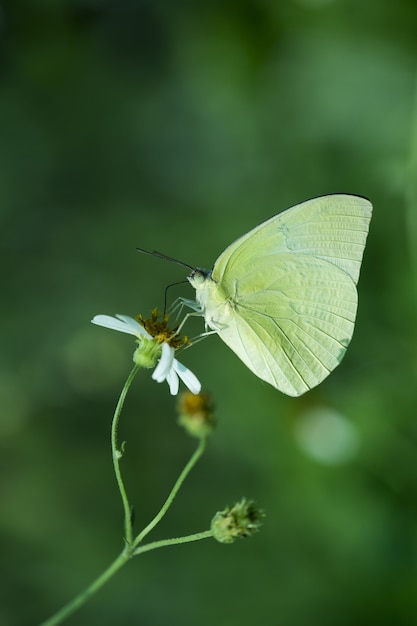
[[283, 296], [295, 332], [332, 227]]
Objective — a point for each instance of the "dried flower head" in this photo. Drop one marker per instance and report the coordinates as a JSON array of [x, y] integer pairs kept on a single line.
[[243, 519]]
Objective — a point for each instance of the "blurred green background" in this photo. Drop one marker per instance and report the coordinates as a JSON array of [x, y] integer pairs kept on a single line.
[[178, 126]]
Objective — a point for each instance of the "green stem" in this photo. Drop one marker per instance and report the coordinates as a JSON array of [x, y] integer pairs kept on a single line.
[[79, 600], [172, 542], [117, 455], [131, 549], [193, 460]]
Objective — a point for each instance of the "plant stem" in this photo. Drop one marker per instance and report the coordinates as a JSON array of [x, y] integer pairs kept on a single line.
[[206, 534], [79, 600], [193, 460], [117, 455], [127, 553], [131, 548]]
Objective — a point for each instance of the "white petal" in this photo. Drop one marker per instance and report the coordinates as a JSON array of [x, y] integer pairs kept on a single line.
[[187, 377], [136, 328], [111, 322], [173, 382], [165, 363]]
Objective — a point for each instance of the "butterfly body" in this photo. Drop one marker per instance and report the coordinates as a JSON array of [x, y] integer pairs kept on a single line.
[[283, 297]]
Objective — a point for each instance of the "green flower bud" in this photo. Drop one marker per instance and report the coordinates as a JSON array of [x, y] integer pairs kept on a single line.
[[243, 519], [196, 413], [147, 353]]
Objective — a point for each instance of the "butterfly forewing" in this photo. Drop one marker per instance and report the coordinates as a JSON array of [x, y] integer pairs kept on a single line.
[[333, 228]]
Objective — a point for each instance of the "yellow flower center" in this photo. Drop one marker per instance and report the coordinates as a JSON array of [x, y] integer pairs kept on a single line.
[[158, 329]]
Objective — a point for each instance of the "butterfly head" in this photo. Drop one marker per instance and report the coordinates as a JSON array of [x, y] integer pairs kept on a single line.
[[198, 277], [202, 282]]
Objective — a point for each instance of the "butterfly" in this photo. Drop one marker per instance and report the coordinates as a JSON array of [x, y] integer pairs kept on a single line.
[[283, 296]]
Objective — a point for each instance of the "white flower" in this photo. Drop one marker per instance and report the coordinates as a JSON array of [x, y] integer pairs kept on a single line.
[[167, 368]]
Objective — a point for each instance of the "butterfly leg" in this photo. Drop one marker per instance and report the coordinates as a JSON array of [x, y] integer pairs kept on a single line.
[[180, 303], [198, 338], [194, 314]]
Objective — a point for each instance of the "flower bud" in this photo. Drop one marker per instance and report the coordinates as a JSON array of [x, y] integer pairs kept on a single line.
[[243, 519], [196, 413]]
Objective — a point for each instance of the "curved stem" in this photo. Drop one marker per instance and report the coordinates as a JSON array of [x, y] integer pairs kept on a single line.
[[79, 600], [131, 548], [117, 455], [123, 557], [193, 460]]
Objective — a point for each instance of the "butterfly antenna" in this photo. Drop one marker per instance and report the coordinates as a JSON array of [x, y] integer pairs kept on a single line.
[[165, 257]]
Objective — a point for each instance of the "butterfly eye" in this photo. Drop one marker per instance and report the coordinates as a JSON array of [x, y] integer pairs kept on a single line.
[[198, 276]]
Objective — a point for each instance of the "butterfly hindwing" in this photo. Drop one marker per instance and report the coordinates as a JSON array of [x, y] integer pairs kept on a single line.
[[295, 332]]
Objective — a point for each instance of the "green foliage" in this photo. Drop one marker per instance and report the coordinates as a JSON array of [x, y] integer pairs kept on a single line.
[[178, 126]]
